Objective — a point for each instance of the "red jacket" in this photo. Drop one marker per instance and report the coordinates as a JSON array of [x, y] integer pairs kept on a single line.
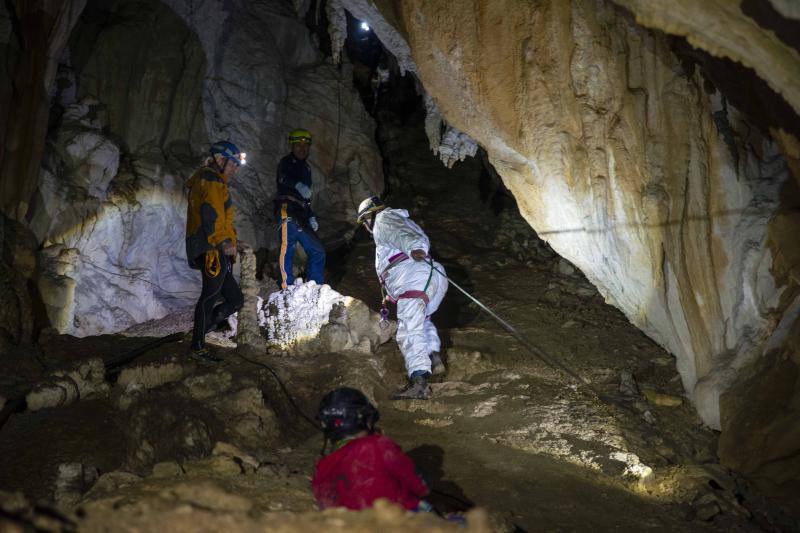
[[364, 470]]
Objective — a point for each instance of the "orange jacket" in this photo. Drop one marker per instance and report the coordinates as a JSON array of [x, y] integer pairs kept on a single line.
[[209, 216]]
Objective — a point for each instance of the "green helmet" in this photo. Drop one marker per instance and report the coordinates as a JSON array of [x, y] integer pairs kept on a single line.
[[300, 136]]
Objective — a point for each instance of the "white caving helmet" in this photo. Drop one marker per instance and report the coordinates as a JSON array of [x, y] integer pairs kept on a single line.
[[373, 204]]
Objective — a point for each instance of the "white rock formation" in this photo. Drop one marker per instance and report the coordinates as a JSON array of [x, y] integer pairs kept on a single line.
[[112, 209], [111, 259], [307, 318], [452, 145]]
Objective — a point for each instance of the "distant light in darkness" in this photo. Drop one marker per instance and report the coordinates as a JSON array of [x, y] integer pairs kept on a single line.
[[365, 26]]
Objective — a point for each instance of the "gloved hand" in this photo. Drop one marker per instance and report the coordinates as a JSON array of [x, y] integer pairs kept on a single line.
[[313, 223], [228, 248], [418, 255], [304, 190]]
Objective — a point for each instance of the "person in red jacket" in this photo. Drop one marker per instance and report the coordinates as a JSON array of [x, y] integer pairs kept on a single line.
[[364, 464]]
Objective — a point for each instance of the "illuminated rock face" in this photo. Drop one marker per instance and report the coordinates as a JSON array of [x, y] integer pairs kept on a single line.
[[630, 167], [140, 101], [307, 318]]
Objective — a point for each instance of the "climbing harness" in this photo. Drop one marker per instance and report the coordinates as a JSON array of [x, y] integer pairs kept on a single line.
[[384, 321], [213, 267], [535, 350], [422, 295]]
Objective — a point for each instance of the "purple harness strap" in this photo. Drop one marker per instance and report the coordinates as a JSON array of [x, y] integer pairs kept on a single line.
[[410, 294], [396, 258]]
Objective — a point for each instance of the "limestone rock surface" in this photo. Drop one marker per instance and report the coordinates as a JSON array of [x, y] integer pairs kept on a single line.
[[640, 172], [84, 380], [724, 29], [176, 413], [307, 318], [656, 188], [138, 103]]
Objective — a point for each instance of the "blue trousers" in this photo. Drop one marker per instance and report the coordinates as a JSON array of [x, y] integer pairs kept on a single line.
[[290, 233]]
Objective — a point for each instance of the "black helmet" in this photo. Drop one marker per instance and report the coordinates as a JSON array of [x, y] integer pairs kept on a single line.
[[346, 411]]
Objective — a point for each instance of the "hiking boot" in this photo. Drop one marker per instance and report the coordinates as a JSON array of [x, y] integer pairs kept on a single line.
[[437, 365], [203, 355], [417, 388]]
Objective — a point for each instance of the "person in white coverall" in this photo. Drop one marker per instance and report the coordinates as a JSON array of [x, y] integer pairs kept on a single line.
[[407, 275]]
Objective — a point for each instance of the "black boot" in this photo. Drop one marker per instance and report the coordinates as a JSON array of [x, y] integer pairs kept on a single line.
[[202, 355], [416, 389], [437, 365]]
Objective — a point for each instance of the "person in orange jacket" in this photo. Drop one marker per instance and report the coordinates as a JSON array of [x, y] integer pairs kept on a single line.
[[211, 242]]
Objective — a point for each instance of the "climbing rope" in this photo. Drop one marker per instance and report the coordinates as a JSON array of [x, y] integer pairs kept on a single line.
[[535, 350], [283, 388]]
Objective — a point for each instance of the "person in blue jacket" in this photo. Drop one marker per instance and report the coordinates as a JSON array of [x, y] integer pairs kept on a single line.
[[297, 222]]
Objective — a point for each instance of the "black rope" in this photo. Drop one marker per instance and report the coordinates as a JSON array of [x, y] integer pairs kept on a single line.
[[284, 389], [137, 278], [123, 359], [19, 405], [465, 503]]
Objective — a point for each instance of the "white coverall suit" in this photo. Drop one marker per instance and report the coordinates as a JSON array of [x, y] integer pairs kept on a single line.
[[395, 234]]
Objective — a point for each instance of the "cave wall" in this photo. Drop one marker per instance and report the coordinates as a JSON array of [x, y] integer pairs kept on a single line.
[[637, 169], [142, 89], [32, 35], [723, 28], [655, 187]]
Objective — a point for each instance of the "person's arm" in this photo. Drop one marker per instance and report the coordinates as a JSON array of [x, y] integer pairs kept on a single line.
[[395, 233], [212, 215], [305, 191], [283, 177], [402, 468], [293, 184]]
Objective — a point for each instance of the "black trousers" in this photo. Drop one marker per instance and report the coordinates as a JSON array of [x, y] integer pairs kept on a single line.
[[207, 315]]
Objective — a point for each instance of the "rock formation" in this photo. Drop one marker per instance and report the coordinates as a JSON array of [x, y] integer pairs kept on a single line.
[[84, 380], [307, 318], [135, 120], [613, 123], [629, 162]]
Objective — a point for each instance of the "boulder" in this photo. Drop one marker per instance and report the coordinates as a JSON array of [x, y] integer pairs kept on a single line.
[[307, 318], [85, 380]]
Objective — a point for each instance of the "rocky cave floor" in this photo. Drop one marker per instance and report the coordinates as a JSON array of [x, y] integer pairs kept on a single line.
[[173, 446]]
